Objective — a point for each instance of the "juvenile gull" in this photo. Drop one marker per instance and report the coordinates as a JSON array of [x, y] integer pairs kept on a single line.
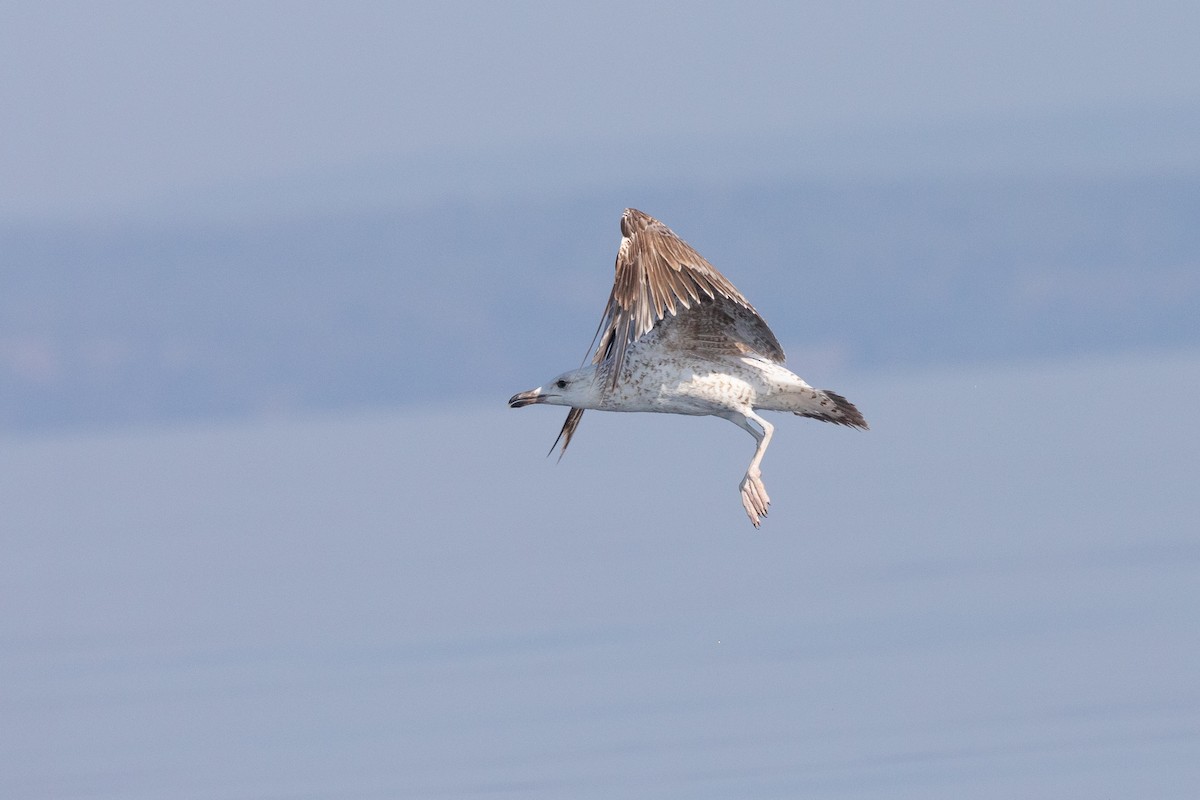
[[678, 338]]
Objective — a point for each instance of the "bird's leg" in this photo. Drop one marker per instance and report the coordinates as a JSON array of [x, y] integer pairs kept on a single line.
[[754, 493]]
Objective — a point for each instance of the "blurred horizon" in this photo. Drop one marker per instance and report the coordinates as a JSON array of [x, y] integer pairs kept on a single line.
[[224, 210], [394, 303]]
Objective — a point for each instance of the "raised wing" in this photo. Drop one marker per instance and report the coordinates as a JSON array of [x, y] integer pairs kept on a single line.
[[659, 275]]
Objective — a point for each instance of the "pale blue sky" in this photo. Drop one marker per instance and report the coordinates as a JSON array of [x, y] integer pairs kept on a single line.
[[123, 104]]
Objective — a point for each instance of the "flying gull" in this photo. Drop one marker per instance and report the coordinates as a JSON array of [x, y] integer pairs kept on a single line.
[[678, 338]]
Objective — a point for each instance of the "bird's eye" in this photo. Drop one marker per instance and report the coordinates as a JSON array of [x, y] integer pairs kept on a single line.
[[561, 384]]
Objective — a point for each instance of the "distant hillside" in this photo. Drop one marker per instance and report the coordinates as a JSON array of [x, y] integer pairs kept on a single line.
[[468, 301]]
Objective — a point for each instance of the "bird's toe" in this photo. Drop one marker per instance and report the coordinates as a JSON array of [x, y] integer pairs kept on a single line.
[[754, 498]]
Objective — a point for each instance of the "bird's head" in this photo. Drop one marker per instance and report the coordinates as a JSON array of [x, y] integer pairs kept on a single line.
[[577, 388]]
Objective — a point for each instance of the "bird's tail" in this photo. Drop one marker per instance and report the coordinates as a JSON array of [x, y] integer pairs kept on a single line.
[[824, 405]]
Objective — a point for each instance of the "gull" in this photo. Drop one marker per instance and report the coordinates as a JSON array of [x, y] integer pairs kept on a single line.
[[677, 338]]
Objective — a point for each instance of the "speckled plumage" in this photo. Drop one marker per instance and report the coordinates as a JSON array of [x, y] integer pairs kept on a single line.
[[678, 338]]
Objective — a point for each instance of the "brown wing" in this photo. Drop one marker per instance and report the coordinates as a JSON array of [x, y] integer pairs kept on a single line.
[[659, 275], [568, 430], [715, 329]]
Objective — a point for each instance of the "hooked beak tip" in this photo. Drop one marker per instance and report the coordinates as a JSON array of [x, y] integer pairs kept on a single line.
[[525, 398]]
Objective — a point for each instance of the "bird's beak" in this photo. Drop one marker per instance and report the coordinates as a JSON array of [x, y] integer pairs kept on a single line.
[[527, 398]]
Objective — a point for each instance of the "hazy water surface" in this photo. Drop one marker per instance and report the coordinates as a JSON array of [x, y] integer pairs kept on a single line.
[[993, 593]]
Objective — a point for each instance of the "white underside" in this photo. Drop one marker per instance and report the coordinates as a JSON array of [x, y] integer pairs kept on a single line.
[[697, 387]]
